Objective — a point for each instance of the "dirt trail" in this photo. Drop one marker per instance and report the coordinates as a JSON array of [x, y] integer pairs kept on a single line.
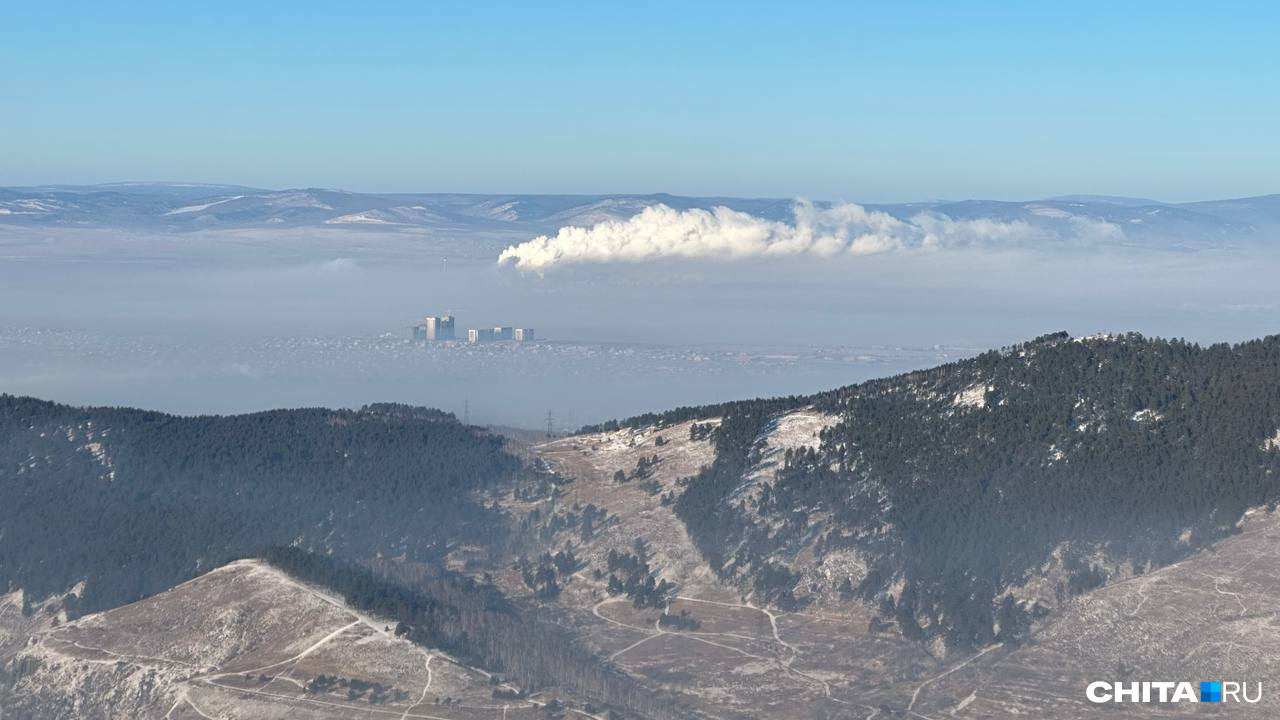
[[423, 697], [314, 646], [313, 701], [784, 664], [139, 659], [916, 695]]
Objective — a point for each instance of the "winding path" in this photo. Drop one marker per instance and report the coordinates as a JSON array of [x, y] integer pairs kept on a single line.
[[423, 697], [657, 631]]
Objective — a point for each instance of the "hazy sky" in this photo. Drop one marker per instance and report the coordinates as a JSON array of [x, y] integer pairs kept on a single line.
[[857, 101]]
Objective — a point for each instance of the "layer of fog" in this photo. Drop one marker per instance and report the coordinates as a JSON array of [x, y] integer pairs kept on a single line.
[[249, 320]]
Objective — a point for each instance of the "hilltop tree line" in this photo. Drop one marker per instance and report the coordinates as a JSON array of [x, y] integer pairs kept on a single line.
[[693, 412]]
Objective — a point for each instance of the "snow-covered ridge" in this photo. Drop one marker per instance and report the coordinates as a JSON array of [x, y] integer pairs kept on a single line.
[[400, 215], [1089, 222]]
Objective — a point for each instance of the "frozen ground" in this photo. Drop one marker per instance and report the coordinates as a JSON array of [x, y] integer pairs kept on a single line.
[[745, 659], [244, 641], [1213, 616]]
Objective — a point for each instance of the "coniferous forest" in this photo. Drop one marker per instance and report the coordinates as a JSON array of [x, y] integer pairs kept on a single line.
[[134, 502], [961, 480]]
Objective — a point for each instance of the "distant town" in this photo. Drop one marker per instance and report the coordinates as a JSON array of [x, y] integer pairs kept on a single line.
[[439, 328]]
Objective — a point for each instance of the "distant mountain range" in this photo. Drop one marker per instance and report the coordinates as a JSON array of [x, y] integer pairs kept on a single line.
[[173, 207], [181, 208]]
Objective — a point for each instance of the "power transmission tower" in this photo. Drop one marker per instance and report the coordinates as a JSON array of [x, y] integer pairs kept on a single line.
[[466, 411], [551, 425]]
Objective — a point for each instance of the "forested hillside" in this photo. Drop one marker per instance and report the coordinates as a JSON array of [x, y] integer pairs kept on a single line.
[[955, 485], [134, 502], [944, 493]]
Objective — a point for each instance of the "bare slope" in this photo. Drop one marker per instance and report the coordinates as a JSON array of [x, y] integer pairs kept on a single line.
[[739, 658], [636, 509], [243, 641]]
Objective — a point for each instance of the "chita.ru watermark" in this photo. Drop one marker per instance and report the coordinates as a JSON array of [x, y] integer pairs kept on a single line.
[[1170, 691]]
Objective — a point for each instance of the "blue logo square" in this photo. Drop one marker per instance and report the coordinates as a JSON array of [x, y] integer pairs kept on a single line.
[[1210, 692]]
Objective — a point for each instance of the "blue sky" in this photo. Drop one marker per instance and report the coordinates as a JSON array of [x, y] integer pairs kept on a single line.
[[844, 101]]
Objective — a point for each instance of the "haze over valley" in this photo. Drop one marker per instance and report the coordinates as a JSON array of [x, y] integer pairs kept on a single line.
[[302, 297]]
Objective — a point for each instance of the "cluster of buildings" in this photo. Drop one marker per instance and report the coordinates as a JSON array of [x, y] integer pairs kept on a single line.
[[506, 332], [441, 327], [434, 328]]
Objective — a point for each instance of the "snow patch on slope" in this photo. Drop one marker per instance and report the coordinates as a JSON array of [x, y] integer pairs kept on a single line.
[[203, 206], [974, 396], [1050, 212], [792, 431], [296, 200], [1147, 415], [31, 207], [1272, 443], [400, 215]]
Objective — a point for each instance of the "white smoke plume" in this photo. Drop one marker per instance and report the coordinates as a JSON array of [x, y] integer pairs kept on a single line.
[[722, 233]]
